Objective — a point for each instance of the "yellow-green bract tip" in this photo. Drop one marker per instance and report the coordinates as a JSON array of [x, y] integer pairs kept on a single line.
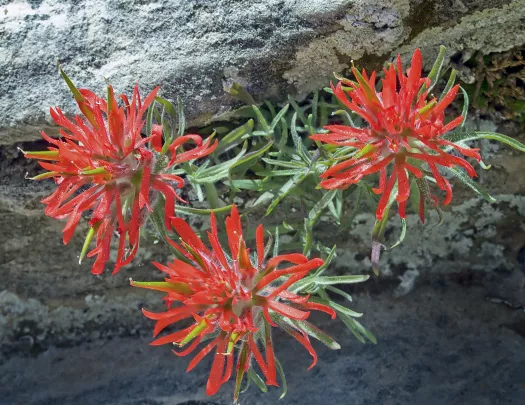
[[87, 241], [78, 96]]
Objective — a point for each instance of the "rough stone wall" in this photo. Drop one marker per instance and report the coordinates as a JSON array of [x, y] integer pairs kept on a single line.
[[195, 49]]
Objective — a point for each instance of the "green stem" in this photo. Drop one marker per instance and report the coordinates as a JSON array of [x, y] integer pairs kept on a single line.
[[308, 242], [211, 195]]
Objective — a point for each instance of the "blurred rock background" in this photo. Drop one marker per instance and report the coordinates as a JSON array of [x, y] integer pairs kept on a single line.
[[451, 296]]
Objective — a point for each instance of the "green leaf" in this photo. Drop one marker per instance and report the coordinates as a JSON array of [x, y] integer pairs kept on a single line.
[[271, 108], [283, 163], [357, 329], [319, 207], [284, 190], [278, 117], [327, 261], [234, 137], [298, 142], [331, 280], [157, 216], [87, 241], [256, 378], [346, 115], [403, 233], [280, 173], [283, 377], [254, 185], [201, 211], [369, 335], [149, 119], [170, 109], [465, 179], [263, 198], [240, 373], [262, 120], [435, 71], [182, 117], [307, 282], [328, 90], [424, 190], [369, 91], [349, 323], [240, 93], [337, 307], [284, 135], [450, 83], [298, 111], [212, 196], [347, 220], [314, 332], [378, 231], [464, 112], [340, 292], [217, 172], [471, 136], [276, 243], [79, 98], [307, 238], [250, 157]]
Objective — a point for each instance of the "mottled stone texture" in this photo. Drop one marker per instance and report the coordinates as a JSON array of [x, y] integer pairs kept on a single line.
[[195, 49], [443, 344]]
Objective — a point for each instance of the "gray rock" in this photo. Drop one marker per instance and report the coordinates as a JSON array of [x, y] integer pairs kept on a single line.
[[441, 344], [191, 48], [197, 48]]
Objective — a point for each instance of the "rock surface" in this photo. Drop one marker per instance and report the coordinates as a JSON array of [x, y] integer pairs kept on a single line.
[[444, 343], [195, 49]]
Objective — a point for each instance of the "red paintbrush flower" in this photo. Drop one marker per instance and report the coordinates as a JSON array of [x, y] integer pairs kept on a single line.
[[233, 299], [405, 128], [103, 166]]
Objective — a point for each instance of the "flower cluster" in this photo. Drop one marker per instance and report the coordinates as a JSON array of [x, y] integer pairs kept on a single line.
[[115, 164], [104, 167], [404, 128], [234, 298]]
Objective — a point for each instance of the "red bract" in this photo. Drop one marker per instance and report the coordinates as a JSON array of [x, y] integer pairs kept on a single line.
[[232, 296], [405, 128], [105, 168]]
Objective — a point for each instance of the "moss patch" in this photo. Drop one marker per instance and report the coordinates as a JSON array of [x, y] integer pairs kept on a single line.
[[499, 88]]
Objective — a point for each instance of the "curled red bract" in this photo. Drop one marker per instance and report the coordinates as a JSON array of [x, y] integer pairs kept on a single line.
[[234, 297], [105, 169], [404, 128]]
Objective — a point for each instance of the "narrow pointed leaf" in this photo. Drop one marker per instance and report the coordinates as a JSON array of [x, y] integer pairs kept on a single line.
[[284, 190], [201, 211], [278, 117], [261, 120], [435, 71], [465, 179], [314, 332], [320, 206], [450, 83], [298, 142], [471, 136], [283, 378], [403, 233], [331, 280], [256, 378], [234, 137]]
